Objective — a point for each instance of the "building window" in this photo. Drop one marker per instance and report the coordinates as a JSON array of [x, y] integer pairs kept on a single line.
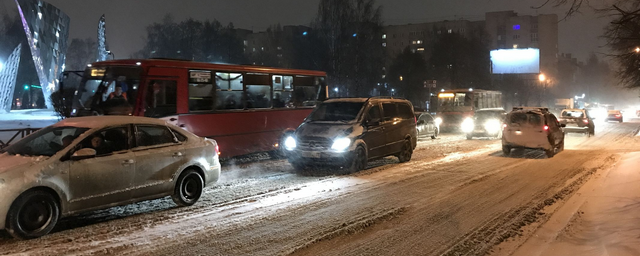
[[534, 26], [246, 42], [394, 35], [499, 37], [450, 31], [421, 49], [515, 46], [413, 50], [516, 36], [384, 44], [534, 37], [384, 36]]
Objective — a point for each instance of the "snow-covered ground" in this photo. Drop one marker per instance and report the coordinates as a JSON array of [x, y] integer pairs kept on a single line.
[[455, 196]]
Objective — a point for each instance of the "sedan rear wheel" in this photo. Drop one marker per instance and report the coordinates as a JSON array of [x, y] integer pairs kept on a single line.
[[32, 215], [188, 188], [435, 134]]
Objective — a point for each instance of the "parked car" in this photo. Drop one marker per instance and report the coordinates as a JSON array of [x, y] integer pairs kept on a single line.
[[615, 115], [577, 121], [88, 163], [484, 123], [427, 125], [532, 128], [349, 132]]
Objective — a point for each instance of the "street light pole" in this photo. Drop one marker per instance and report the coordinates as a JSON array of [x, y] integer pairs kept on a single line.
[[543, 80]]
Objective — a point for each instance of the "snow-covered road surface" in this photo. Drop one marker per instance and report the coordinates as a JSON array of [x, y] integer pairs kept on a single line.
[[454, 197]]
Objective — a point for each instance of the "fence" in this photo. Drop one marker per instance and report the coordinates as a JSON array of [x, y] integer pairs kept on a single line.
[[17, 135]]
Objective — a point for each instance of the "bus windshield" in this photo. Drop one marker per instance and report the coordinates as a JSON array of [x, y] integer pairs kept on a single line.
[[455, 101], [107, 91]]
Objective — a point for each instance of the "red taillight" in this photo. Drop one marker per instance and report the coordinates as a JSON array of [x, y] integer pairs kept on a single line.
[[585, 121], [217, 149], [617, 115], [546, 128], [415, 119], [504, 126]]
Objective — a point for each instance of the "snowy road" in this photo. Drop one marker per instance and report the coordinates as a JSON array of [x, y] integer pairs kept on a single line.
[[454, 197]]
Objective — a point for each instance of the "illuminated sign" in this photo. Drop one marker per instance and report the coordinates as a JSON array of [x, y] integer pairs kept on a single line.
[[516, 27], [446, 95], [200, 77], [98, 71], [515, 61]]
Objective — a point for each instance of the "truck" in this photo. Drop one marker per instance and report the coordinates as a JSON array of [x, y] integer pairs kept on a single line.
[[564, 103]]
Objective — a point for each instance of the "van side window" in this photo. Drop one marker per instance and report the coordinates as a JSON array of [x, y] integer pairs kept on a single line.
[[390, 111], [374, 113], [405, 111]]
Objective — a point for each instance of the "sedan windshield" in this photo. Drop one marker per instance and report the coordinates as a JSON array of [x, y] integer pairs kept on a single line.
[[46, 142], [336, 111]]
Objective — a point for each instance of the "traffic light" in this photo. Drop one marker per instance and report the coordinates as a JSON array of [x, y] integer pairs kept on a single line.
[[26, 87]]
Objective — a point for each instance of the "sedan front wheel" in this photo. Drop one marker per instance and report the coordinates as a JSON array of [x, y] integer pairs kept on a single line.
[[33, 214]]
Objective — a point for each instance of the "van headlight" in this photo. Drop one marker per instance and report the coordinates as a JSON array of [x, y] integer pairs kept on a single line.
[[438, 121], [290, 143], [492, 126], [341, 144], [467, 125]]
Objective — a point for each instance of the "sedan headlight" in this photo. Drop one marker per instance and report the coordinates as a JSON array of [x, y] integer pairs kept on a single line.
[[438, 121], [289, 143], [341, 144], [492, 126], [467, 125]]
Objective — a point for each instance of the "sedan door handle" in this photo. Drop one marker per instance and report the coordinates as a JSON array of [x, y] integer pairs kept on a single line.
[[127, 162]]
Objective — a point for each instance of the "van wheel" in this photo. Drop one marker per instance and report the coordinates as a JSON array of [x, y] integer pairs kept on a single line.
[[188, 188], [32, 215], [359, 161], [405, 152], [550, 152], [506, 150], [435, 134]]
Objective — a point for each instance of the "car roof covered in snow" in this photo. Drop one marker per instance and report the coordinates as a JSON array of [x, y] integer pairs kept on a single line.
[[103, 121]]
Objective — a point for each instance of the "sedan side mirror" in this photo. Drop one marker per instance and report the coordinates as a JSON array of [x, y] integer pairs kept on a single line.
[[83, 154], [373, 122]]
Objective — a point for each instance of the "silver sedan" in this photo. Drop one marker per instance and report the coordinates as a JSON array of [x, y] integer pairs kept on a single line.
[[88, 163]]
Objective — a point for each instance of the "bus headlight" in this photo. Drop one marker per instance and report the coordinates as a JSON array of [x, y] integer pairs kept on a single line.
[[289, 143], [438, 121], [492, 126], [341, 144], [467, 125]]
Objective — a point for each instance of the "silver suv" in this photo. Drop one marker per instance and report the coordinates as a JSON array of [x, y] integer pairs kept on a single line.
[[532, 128]]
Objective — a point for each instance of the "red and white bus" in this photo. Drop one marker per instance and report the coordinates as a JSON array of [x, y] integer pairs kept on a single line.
[[456, 105], [246, 109]]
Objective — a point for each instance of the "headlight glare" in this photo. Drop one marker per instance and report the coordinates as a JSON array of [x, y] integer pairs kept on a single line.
[[289, 143], [467, 125], [341, 144], [492, 126], [438, 121]]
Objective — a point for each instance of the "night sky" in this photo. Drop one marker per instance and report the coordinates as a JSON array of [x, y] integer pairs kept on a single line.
[[127, 19]]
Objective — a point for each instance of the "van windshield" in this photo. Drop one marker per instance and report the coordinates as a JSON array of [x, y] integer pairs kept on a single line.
[[336, 111]]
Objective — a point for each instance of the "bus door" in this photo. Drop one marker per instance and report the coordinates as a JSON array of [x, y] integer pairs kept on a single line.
[[160, 99]]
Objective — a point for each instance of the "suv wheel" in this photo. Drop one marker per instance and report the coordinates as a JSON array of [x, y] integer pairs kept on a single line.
[[506, 150], [405, 152], [550, 152]]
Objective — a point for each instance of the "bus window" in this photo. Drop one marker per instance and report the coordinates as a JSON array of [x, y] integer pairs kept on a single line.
[[229, 94], [304, 96], [282, 91], [258, 96], [200, 97], [161, 98]]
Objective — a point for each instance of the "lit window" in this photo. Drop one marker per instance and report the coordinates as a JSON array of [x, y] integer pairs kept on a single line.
[[383, 76], [515, 46], [419, 42], [413, 50], [384, 44], [420, 49], [450, 31], [384, 36], [39, 15], [414, 42], [262, 48], [254, 49], [246, 42]]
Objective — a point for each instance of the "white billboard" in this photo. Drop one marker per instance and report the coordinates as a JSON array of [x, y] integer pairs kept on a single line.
[[515, 61]]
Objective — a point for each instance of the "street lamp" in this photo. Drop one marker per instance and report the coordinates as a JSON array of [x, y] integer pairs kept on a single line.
[[542, 77], [543, 80], [637, 49]]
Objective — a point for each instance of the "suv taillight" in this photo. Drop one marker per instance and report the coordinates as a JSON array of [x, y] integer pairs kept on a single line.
[[586, 121], [217, 149], [546, 127], [504, 126]]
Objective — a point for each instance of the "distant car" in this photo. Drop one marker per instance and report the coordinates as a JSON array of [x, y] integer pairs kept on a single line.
[[484, 123], [348, 132], [615, 115], [577, 121], [532, 128], [427, 125], [88, 163]]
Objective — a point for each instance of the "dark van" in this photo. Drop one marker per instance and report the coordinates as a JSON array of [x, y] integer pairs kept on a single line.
[[349, 132]]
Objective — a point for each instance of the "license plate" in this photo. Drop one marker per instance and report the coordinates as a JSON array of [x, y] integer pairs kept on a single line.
[[311, 154]]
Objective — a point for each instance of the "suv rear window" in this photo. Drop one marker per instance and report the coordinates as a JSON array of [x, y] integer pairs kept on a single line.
[[525, 118], [573, 113]]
